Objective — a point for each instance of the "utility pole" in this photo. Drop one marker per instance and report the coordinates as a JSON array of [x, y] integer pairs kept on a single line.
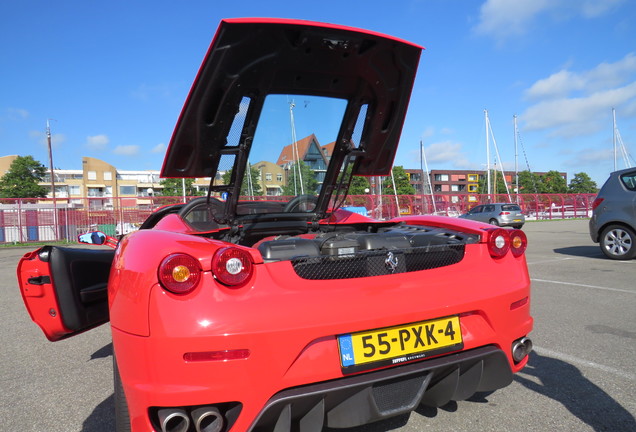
[[48, 140]]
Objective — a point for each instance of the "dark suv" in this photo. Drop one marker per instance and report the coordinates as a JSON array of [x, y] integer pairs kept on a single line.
[[613, 222]]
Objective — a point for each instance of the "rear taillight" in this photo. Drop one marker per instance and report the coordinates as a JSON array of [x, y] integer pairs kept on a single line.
[[518, 242], [498, 242], [597, 202], [179, 273], [504, 213], [232, 266]]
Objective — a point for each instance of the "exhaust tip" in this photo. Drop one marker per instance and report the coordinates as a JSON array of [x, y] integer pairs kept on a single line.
[[173, 420], [521, 348], [207, 419]]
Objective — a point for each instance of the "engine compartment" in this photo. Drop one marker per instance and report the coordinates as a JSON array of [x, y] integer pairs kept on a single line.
[[348, 243]]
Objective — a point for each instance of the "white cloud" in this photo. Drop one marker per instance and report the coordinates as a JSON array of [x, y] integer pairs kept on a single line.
[[505, 18], [502, 18], [594, 8], [446, 152], [127, 150], [159, 148], [97, 142], [603, 76], [589, 157], [17, 113], [56, 139], [580, 115]]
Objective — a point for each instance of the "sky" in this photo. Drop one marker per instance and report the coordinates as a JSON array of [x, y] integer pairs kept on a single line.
[[111, 77]]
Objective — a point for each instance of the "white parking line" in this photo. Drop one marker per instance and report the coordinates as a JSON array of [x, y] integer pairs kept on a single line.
[[582, 362], [550, 261], [583, 285]]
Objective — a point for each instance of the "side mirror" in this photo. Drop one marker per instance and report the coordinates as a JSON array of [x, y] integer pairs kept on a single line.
[[94, 237]]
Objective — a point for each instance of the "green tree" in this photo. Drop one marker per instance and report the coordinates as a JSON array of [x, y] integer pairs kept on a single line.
[[310, 184], [582, 183], [21, 181], [402, 184], [497, 183], [530, 183], [174, 187], [359, 186], [554, 183], [245, 186]]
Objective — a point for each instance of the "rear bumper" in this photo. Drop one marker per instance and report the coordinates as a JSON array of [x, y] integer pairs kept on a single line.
[[511, 221], [362, 399]]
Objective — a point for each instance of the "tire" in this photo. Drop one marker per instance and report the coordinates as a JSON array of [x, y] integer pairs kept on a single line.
[[493, 222], [518, 226], [618, 242], [122, 416]]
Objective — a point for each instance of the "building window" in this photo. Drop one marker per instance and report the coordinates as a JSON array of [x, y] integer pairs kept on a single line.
[[279, 177], [473, 188], [127, 190], [441, 177], [268, 176], [473, 177], [73, 189], [92, 175], [108, 175]]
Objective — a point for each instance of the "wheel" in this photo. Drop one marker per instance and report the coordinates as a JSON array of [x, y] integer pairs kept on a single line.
[[122, 416], [617, 242], [493, 222]]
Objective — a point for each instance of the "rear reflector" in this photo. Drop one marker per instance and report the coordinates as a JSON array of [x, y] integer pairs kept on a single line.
[[238, 354], [519, 303]]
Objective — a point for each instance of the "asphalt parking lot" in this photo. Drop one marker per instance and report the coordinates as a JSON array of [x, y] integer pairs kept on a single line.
[[581, 376]]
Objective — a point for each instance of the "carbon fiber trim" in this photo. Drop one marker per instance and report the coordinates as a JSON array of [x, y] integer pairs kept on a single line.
[[365, 398]]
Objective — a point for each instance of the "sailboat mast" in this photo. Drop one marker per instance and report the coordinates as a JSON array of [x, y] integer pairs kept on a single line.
[[614, 135], [516, 160], [428, 178], [487, 155]]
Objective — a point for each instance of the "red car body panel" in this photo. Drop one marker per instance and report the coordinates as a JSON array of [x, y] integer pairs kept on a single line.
[[300, 347], [40, 298], [265, 353]]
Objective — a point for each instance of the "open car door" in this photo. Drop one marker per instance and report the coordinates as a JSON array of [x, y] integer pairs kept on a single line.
[[65, 289]]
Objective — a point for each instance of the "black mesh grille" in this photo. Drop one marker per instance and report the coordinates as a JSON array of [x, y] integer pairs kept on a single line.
[[398, 394], [377, 263]]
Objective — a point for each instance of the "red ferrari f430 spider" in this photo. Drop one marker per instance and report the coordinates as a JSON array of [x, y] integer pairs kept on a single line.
[[268, 305]]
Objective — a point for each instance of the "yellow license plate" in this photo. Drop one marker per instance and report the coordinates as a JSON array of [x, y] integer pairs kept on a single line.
[[399, 344]]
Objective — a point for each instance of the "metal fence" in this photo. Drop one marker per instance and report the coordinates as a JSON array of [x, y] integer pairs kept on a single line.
[[28, 220]]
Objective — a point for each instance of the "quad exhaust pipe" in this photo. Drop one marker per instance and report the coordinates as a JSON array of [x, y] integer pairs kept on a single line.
[[205, 419], [521, 348], [173, 420]]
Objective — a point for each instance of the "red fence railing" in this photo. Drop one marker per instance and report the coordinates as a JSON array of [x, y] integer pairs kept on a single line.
[[24, 220]]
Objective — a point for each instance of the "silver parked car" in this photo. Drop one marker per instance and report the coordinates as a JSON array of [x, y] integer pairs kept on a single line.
[[501, 214], [613, 222]]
